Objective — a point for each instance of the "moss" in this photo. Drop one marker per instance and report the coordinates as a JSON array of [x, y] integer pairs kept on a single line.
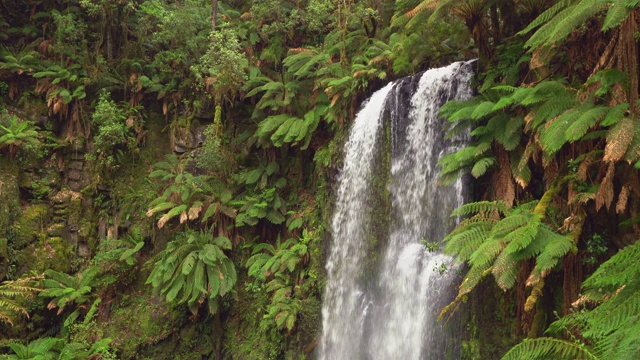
[[55, 253], [31, 225], [9, 194], [137, 322]]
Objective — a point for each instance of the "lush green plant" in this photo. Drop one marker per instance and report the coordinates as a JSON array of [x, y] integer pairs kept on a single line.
[[222, 69], [610, 329], [496, 239], [77, 291], [282, 269], [187, 195], [57, 348], [116, 127], [11, 292], [16, 134], [193, 270]]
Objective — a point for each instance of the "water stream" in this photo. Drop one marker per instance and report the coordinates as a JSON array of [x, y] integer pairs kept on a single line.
[[384, 287]]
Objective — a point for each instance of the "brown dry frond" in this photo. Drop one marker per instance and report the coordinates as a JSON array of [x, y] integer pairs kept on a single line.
[[618, 140], [604, 196], [536, 277], [623, 198], [425, 5], [194, 212], [300, 50]]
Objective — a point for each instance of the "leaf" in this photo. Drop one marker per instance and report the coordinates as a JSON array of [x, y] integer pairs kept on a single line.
[[189, 263]]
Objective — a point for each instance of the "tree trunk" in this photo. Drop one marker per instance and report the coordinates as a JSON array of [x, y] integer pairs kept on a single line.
[[214, 14]]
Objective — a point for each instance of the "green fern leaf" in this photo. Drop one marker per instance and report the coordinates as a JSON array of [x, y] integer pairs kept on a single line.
[[548, 348], [481, 166], [616, 15], [586, 121], [546, 16], [615, 114]]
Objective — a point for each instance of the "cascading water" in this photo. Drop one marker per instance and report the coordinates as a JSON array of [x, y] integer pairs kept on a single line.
[[386, 308]]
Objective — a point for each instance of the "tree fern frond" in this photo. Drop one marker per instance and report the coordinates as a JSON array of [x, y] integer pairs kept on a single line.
[[615, 114], [547, 28], [486, 253], [614, 314], [546, 16], [551, 109], [558, 247], [505, 270], [479, 206], [481, 166], [482, 110], [583, 11], [586, 121], [619, 270], [616, 15], [619, 138], [552, 137], [509, 134], [548, 348], [520, 238]]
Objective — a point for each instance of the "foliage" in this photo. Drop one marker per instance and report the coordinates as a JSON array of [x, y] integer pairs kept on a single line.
[[77, 291], [11, 292], [186, 195], [495, 239], [194, 269], [57, 348], [222, 69], [17, 135], [281, 268], [116, 128], [610, 328]]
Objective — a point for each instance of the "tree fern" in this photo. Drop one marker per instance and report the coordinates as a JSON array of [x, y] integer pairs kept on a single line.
[[549, 349], [546, 15], [552, 137], [586, 121]]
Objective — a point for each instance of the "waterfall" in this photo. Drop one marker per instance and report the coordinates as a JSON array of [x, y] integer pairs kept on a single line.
[[384, 306]]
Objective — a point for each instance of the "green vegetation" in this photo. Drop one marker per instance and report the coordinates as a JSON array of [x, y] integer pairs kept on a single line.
[[180, 155]]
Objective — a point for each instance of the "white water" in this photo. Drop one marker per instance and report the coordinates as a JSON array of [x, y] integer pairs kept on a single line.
[[389, 313], [344, 308]]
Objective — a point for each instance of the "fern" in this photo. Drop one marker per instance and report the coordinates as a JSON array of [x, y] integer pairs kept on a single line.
[[615, 114], [193, 268], [552, 138], [586, 121], [618, 12], [481, 166], [548, 348], [546, 16]]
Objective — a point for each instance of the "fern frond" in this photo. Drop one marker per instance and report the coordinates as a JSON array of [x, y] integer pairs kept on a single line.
[[619, 138], [586, 121], [616, 15], [558, 247], [552, 137], [615, 114], [548, 348], [479, 206], [546, 16], [481, 166]]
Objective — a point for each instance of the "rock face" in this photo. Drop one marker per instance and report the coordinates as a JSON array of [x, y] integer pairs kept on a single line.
[[187, 139], [9, 207]]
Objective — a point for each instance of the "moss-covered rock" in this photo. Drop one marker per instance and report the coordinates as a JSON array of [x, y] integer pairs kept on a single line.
[[31, 226], [9, 194], [136, 322]]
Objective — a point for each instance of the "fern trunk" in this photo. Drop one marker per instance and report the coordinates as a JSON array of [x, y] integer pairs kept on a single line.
[[572, 279], [524, 319]]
